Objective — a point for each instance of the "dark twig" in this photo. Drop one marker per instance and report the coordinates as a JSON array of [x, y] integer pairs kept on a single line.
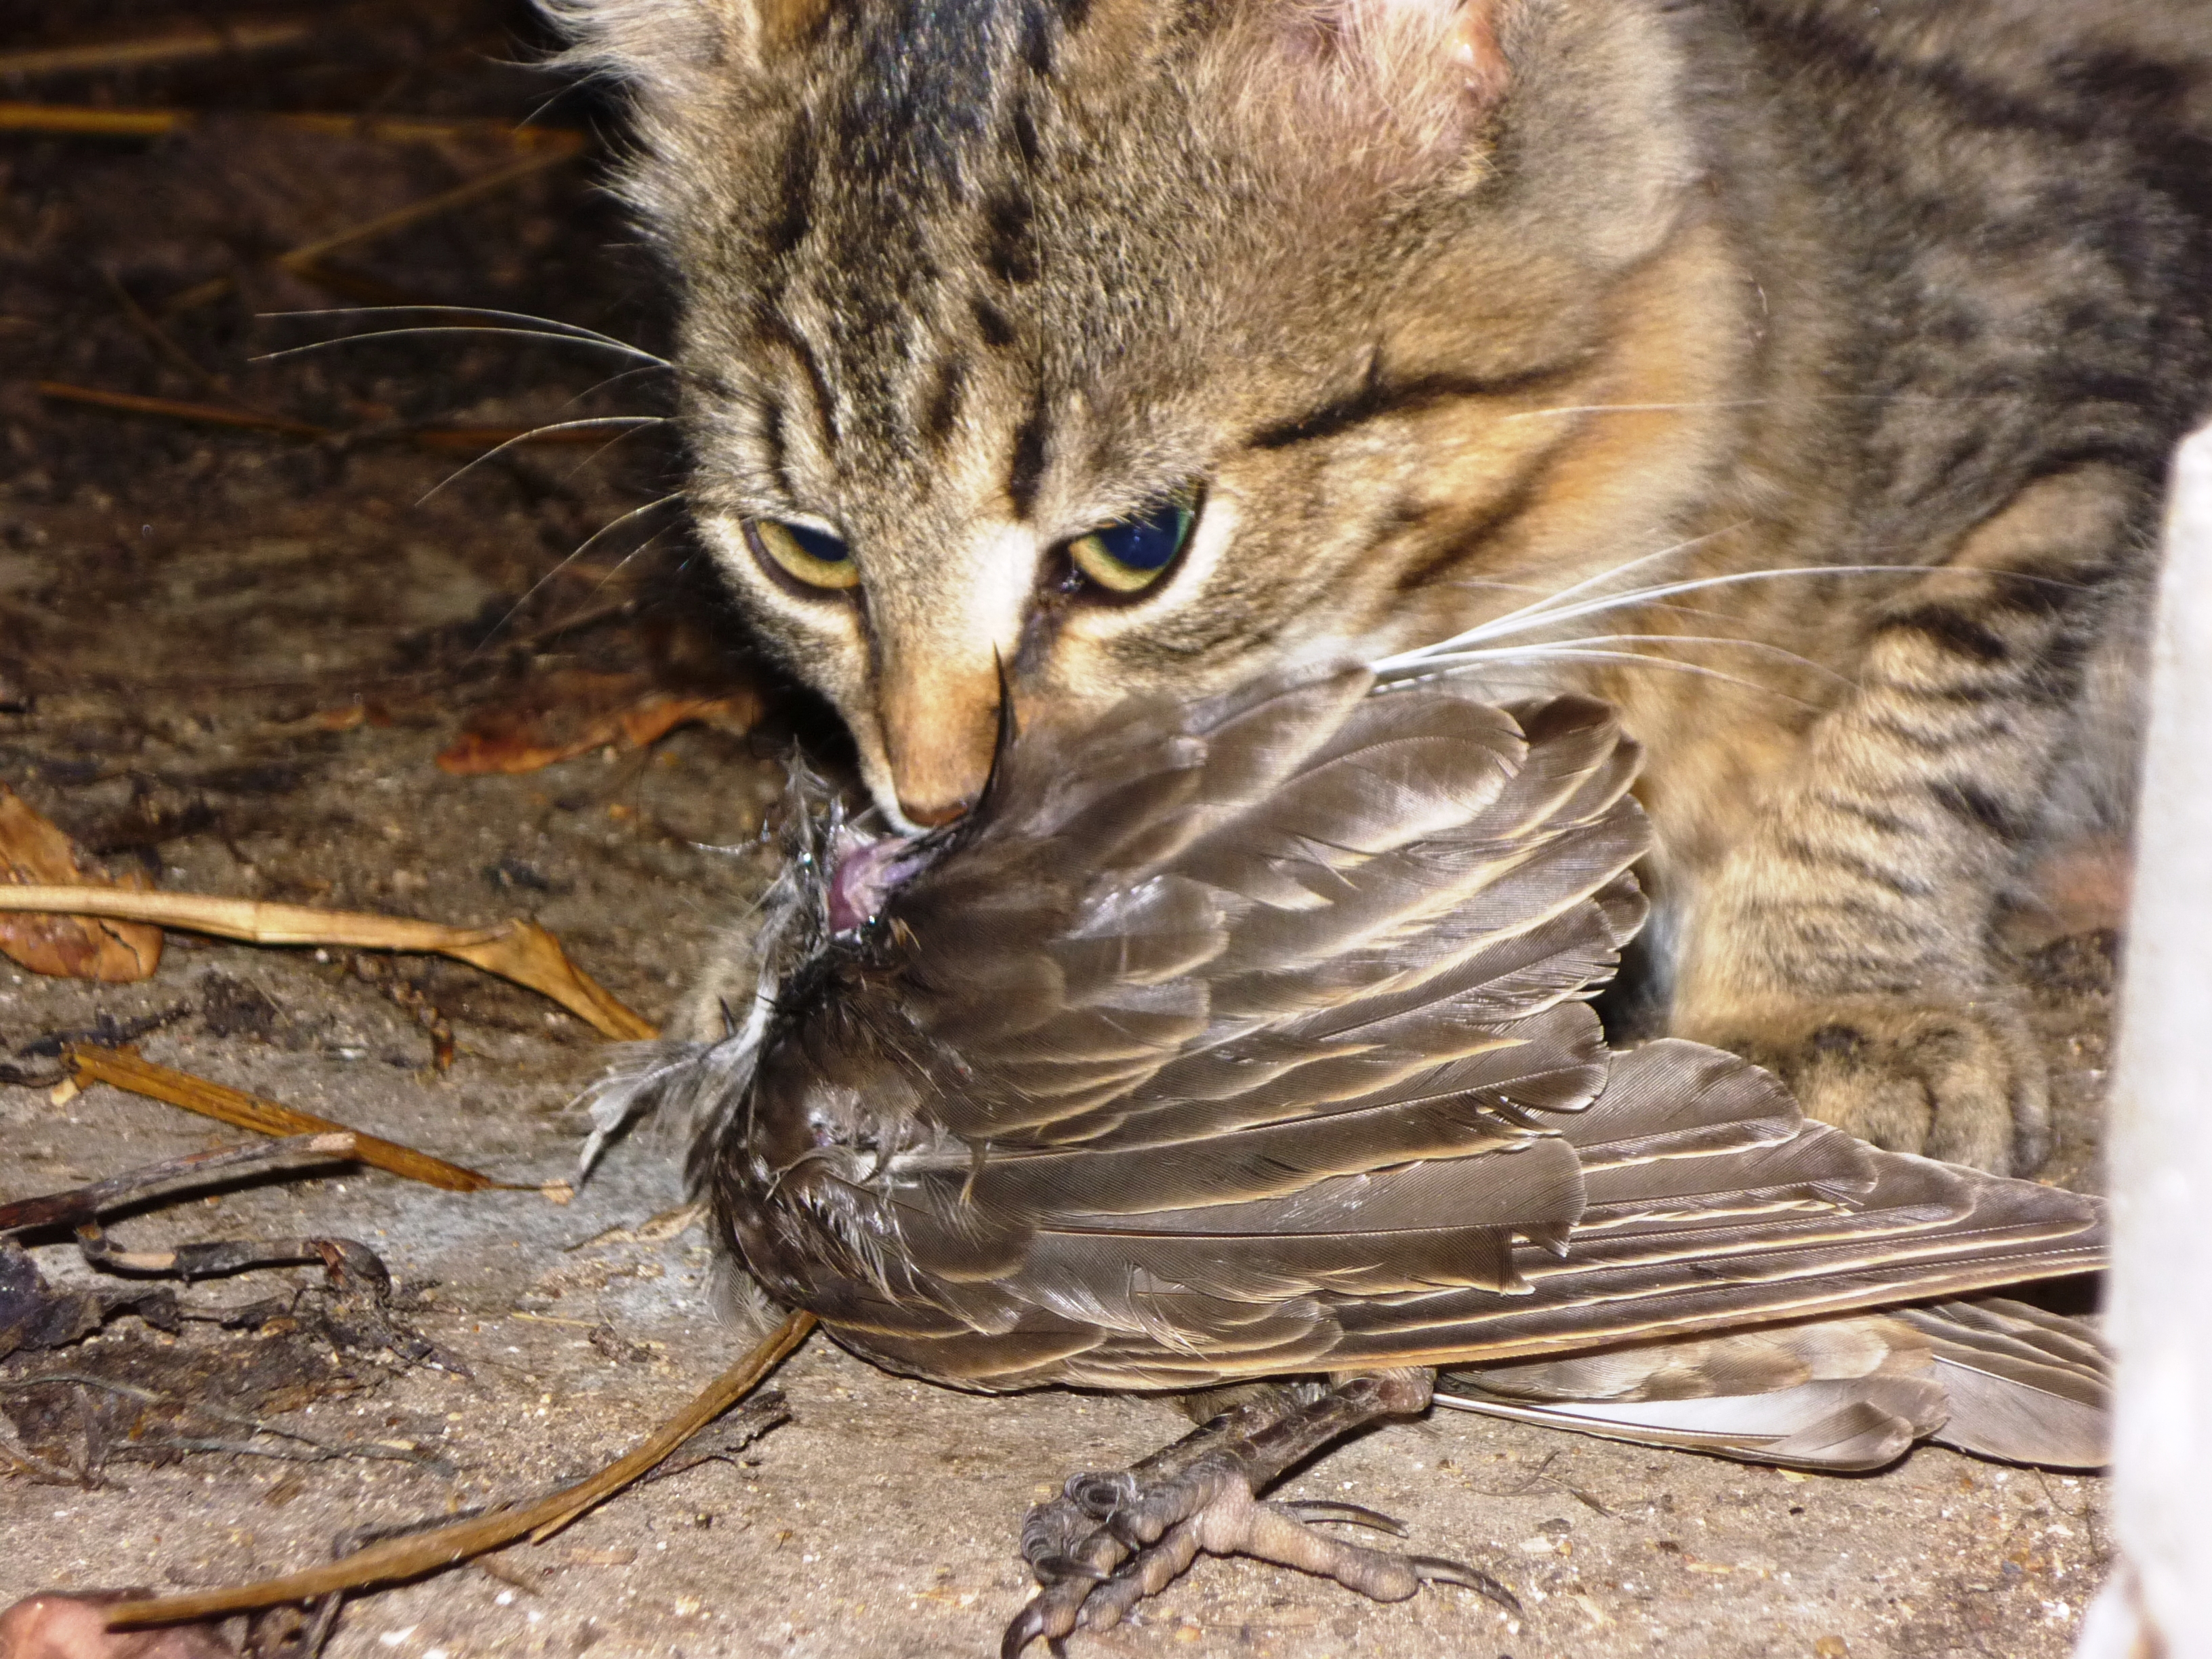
[[106, 1030], [81, 1205]]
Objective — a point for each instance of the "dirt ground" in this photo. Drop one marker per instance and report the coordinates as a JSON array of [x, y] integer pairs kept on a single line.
[[229, 657]]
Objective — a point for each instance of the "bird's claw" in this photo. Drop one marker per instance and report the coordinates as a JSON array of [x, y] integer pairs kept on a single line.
[[1114, 1537], [1110, 1540], [1101, 1494], [1435, 1570], [1350, 1515]]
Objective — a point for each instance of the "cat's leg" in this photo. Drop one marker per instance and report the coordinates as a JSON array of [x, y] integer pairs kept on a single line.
[[1845, 942]]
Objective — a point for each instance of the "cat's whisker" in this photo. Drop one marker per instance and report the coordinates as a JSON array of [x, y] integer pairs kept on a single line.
[[1764, 648], [1499, 625], [1704, 613], [1643, 595], [1552, 607], [575, 329], [586, 340], [592, 460], [1887, 398], [623, 564], [601, 385], [582, 548], [1547, 614], [1462, 662], [632, 423], [1637, 408]]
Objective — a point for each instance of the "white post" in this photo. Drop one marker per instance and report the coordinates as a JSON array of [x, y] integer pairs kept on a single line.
[[2159, 1601]]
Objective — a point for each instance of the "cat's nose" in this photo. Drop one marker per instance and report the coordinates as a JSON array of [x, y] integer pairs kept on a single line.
[[929, 814], [940, 728]]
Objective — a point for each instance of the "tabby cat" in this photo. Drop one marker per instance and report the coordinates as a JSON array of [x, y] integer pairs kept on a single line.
[[1799, 375]]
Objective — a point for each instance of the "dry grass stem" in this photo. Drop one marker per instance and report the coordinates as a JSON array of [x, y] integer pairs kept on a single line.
[[76, 119], [304, 262], [264, 1116], [430, 206], [171, 46], [176, 409], [423, 1553], [518, 951], [468, 439], [92, 122]]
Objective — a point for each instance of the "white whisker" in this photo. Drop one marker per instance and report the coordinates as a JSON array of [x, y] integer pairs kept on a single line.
[[1885, 397], [1645, 595], [1698, 611], [460, 328], [1638, 409], [1545, 617], [582, 548], [1499, 625], [1731, 640], [1550, 611], [593, 458], [460, 473], [576, 329], [1462, 661], [615, 379]]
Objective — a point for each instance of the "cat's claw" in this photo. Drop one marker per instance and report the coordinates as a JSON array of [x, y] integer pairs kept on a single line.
[[1960, 1081]]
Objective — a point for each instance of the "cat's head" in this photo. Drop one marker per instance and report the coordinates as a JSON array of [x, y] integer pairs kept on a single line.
[[1089, 346]]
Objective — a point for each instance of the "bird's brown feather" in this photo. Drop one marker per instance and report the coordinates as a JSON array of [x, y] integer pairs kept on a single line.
[[1252, 1038]]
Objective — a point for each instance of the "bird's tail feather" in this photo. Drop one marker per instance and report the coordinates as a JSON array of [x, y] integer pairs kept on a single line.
[[1993, 1376]]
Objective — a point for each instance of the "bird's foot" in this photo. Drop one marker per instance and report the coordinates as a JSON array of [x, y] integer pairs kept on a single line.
[[1112, 1539]]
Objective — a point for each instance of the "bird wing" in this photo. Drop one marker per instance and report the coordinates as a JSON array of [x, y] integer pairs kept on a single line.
[[1252, 1037], [1994, 1376]]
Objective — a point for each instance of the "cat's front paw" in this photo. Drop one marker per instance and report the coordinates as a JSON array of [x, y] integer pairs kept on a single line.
[[1960, 1081]]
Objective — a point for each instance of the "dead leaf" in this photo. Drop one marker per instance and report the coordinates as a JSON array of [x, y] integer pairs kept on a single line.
[[33, 1315], [32, 852], [561, 716], [520, 951]]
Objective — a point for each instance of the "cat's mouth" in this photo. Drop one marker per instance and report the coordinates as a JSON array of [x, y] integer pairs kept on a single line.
[[865, 875]]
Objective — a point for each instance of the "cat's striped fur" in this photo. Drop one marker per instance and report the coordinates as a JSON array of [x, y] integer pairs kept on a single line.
[[1444, 309]]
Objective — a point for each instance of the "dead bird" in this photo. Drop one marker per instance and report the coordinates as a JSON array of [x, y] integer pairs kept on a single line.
[[1250, 1041]]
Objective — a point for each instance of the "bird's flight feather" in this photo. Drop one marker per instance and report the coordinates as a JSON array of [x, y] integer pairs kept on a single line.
[[1252, 1037]]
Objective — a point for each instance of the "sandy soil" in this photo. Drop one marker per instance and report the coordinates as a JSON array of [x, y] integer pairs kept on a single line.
[[186, 613]]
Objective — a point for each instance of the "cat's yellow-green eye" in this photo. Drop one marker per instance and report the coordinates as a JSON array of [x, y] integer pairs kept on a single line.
[[813, 557], [1129, 556]]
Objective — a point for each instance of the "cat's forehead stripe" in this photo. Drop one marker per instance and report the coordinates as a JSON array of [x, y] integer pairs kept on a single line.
[[1381, 397], [940, 406], [1026, 469], [794, 345]]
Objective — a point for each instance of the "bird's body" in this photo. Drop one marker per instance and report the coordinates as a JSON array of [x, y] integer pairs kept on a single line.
[[1251, 1040]]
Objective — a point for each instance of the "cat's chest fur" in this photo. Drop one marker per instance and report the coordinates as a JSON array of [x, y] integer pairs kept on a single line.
[[1087, 346]]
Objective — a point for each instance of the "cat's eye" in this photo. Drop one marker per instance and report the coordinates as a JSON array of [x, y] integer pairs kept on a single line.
[[814, 557], [1129, 556]]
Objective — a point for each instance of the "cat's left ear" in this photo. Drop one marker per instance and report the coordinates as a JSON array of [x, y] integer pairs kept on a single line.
[[1422, 72], [669, 52], [1454, 38]]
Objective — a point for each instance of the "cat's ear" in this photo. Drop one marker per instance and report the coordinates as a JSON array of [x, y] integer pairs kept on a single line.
[[668, 50], [1447, 44], [1401, 83]]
